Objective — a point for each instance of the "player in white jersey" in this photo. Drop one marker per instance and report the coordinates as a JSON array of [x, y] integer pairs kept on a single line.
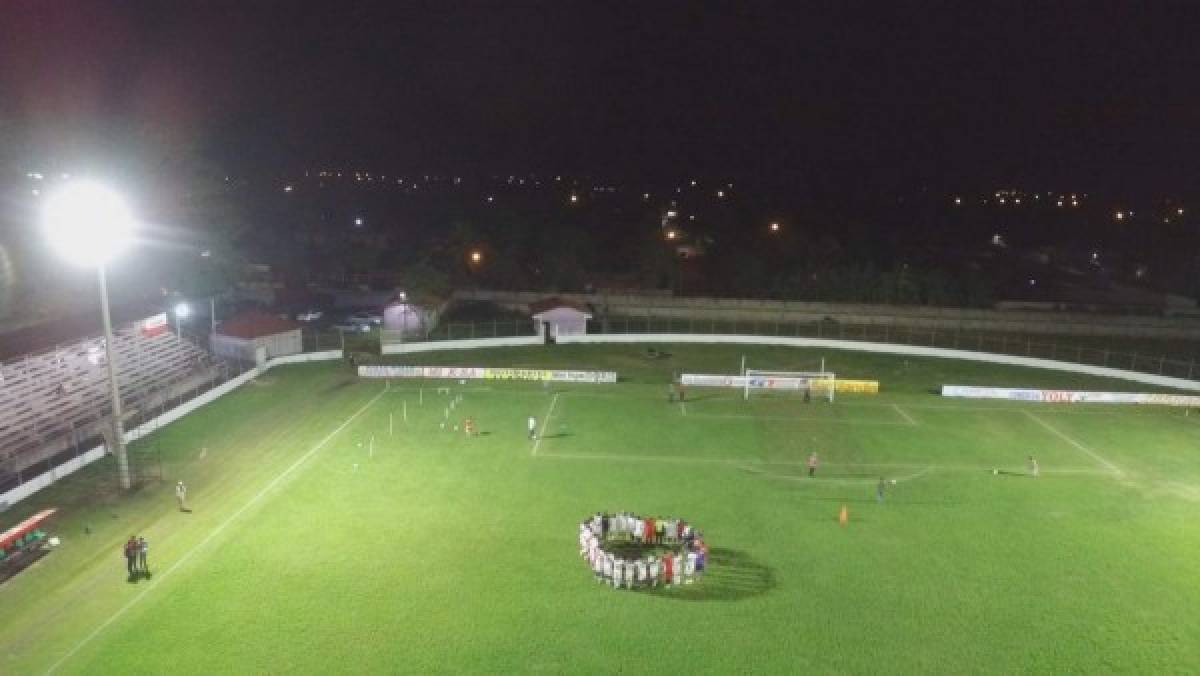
[[639, 528], [689, 567], [608, 567], [641, 572], [652, 572], [618, 573], [598, 563], [678, 567]]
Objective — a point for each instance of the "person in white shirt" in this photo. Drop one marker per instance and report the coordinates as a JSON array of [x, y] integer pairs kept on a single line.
[[630, 574], [678, 568], [639, 528], [641, 572], [689, 567], [608, 567], [181, 496], [652, 571], [618, 573], [532, 428]]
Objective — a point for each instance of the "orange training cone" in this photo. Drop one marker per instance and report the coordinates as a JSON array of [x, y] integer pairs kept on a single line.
[[844, 516]]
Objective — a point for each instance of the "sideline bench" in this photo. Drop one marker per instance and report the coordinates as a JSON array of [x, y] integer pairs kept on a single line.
[[21, 544]]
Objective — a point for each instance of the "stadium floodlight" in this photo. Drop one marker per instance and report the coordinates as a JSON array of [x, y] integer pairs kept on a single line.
[[89, 224], [182, 311]]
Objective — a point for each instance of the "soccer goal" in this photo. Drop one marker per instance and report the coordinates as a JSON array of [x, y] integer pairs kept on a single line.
[[820, 383]]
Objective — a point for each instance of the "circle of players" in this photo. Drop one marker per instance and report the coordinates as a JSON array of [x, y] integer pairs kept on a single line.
[[682, 566]]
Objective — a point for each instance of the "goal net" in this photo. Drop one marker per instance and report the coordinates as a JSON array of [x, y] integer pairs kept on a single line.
[[811, 383]]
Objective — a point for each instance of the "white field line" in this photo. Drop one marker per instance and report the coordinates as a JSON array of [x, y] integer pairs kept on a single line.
[[545, 425], [789, 418], [159, 577], [1113, 469], [746, 463], [900, 479], [904, 415]]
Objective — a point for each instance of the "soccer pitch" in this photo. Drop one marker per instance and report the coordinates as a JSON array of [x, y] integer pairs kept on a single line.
[[338, 529]]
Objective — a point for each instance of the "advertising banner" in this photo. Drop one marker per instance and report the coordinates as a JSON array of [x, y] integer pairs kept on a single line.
[[1069, 396], [154, 326], [781, 383], [484, 373]]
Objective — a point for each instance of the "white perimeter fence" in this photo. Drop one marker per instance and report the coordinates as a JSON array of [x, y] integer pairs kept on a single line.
[[37, 483]]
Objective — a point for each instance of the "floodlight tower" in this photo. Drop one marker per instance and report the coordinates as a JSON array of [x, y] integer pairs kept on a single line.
[[89, 225]]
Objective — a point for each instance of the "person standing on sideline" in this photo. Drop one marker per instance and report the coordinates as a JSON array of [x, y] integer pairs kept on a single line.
[[181, 496], [670, 393], [131, 555], [879, 489], [143, 551], [812, 464], [1034, 470], [532, 428]]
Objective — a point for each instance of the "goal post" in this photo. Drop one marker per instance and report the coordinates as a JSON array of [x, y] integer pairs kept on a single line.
[[815, 383]]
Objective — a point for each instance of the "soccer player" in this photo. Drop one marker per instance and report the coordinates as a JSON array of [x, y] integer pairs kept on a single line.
[[469, 427], [618, 573], [677, 567], [639, 528], [880, 488], [813, 461], [641, 572], [648, 530], [131, 556], [181, 496], [652, 571], [668, 569], [660, 530], [609, 562], [689, 566], [143, 550], [1034, 470], [532, 424]]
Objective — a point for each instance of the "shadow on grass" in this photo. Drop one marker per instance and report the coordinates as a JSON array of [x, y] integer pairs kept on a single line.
[[556, 435], [731, 575]]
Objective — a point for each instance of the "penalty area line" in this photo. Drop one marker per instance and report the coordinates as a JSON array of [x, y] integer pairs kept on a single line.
[[1113, 469], [904, 414], [545, 426], [215, 532]]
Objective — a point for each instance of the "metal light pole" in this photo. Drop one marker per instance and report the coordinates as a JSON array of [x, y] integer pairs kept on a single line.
[[114, 390], [89, 225]]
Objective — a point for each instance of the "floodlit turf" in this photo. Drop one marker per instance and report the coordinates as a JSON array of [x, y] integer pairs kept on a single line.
[[313, 549]]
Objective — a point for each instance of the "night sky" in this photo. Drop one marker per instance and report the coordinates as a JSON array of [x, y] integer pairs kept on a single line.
[[819, 96]]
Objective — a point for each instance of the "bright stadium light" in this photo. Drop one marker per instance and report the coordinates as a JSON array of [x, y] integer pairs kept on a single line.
[[88, 224]]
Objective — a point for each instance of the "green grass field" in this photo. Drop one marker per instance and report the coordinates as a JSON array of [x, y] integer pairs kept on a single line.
[[307, 552]]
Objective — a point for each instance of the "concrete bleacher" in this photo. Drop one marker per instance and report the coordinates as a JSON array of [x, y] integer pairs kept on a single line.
[[52, 401]]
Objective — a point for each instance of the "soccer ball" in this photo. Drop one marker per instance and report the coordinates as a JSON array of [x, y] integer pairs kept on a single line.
[[995, 472]]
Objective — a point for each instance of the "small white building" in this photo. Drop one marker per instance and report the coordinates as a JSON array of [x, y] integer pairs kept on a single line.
[[257, 337], [554, 317]]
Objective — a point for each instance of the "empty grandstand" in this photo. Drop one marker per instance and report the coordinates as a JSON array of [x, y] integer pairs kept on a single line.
[[55, 403]]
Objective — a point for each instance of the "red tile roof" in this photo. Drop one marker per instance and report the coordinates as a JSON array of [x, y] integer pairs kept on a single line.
[[256, 325]]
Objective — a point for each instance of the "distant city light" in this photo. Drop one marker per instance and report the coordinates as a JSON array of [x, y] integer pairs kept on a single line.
[[1032, 282], [774, 227], [491, 198], [476, 256], [1060, 203], [1120, 215], [720, 194], [358, 221], [998, 240], [574, 199], [1179, 211], [205, 253], [1017, 200], [671, 213], [958, 200], [645, 196], [288, 188], [671, 234], [693, 182], [1002, 200]]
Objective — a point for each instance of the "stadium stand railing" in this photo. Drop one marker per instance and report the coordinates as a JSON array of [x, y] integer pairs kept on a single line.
[[54, 403]]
